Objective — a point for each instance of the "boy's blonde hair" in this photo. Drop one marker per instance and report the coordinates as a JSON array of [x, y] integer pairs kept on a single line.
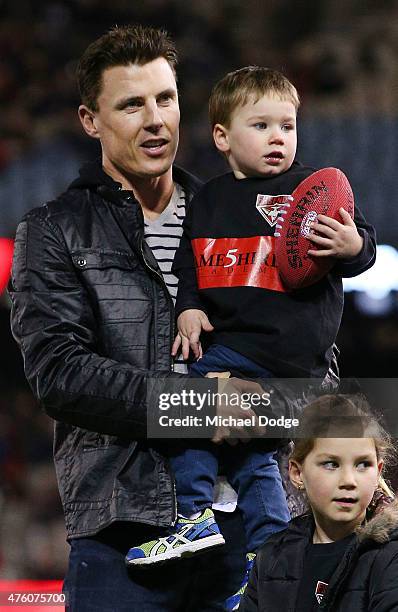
[[236, 87], [349, 416]]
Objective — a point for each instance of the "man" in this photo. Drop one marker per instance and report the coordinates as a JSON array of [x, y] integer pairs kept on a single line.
[[93, 314]]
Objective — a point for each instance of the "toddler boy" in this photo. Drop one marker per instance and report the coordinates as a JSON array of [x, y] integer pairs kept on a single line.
[[229, 287]]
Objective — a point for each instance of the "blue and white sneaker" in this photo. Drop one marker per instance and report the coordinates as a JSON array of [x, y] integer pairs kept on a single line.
[[190, 536], [233, 602]]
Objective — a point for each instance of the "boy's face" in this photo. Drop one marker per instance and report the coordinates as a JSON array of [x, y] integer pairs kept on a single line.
[[261, 139]]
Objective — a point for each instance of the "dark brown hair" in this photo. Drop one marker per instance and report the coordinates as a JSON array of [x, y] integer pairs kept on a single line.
[[120, 47], [340, 415], [236, 87]]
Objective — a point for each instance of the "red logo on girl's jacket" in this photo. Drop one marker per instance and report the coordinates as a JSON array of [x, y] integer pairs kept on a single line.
[[320, 590]]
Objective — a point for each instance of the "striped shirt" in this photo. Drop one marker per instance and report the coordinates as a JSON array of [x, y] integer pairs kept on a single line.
[[163, 237]]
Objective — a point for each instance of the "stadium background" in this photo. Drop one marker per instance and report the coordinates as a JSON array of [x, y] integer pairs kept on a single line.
[[343, 57]]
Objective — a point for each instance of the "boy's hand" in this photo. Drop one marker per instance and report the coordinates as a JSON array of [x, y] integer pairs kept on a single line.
[[190, 324], [335, 239]]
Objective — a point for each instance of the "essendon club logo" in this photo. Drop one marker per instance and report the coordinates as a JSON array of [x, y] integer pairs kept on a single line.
[[320, 590], [270, 207], [236, 262]]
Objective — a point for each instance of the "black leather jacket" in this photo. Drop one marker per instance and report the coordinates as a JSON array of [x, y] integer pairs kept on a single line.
[[94, 319]]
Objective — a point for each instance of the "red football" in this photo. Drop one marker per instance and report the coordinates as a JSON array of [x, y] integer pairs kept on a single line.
[[323, 192]]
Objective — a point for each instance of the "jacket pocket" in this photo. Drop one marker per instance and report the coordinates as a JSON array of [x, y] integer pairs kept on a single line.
[[117, 284], [93, 474], [92, 259]]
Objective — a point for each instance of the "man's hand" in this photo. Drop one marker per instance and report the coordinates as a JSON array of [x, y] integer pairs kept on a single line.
[[229, 432], [190, 323], [335, 239]]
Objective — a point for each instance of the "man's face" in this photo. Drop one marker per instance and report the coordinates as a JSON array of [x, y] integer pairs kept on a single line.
[[262, 138], [137, 120]]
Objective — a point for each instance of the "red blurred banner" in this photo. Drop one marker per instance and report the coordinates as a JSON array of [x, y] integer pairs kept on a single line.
[[32, 595], [6, 251]]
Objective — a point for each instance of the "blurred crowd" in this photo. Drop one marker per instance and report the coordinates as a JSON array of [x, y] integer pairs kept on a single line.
[[343, 57]]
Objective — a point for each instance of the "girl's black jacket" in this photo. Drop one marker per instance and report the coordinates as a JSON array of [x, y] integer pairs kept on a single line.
[[366, 580], [225, 237]]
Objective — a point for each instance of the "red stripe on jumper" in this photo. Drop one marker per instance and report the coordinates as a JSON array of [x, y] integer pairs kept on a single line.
[[236, 262]]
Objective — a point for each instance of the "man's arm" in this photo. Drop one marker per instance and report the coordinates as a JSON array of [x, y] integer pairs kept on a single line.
[[54, 323]]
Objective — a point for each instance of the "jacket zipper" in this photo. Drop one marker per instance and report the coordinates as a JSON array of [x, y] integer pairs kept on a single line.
[[174, 496], [171, 362]]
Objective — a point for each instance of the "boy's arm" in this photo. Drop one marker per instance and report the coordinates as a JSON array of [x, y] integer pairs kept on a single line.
[[351, 242], [188, 296], [189, 309], [367, 255]]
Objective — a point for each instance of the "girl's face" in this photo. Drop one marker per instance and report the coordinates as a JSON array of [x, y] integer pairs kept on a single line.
[[339, 476]]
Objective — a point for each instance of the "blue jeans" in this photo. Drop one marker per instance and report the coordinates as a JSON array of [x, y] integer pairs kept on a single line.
[[220, 358], [253, 473], [99, 581]]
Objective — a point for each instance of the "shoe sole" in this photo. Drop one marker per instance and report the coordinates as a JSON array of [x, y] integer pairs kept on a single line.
[[185, 550]]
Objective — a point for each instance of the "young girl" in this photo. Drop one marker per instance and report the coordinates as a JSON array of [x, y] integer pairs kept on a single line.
[[343, 555]]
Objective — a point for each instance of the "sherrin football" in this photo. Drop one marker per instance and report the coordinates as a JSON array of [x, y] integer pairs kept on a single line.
[[323, 192]]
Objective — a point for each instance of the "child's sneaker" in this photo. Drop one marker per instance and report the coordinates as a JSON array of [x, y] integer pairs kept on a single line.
[[233, 602], [191, 536]]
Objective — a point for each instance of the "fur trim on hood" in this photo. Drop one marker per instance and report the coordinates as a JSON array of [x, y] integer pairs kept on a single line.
[[381, 527]]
